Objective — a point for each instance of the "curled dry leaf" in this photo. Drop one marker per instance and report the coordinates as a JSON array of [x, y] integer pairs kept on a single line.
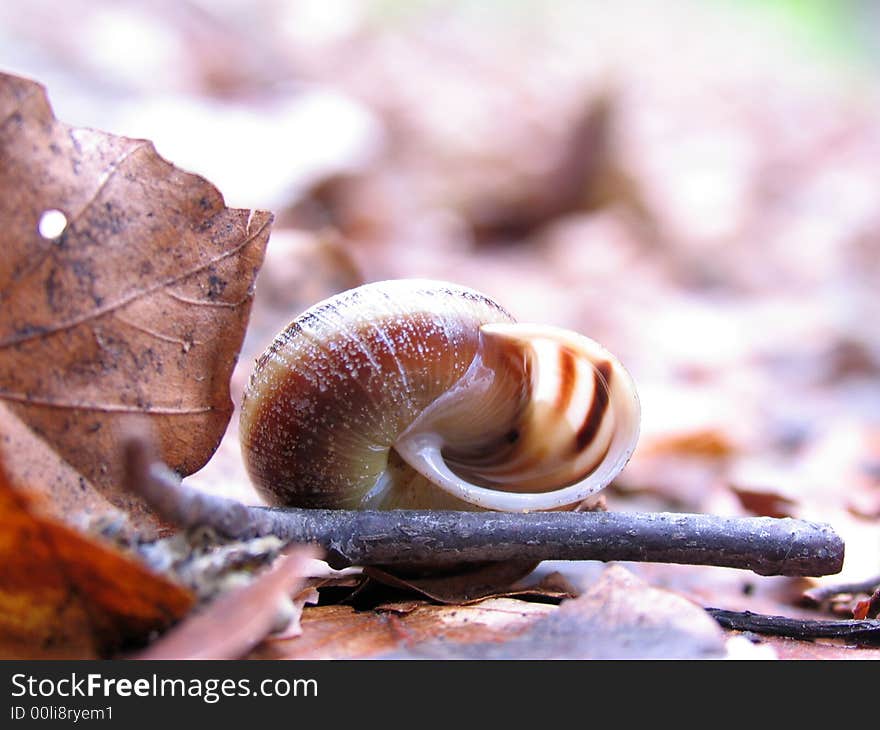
[[134, 308], [469, 586], [64, 595], [868, 607], [764, 502]]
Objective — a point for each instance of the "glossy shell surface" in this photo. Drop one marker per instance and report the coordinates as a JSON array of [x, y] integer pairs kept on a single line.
[[419, 394]]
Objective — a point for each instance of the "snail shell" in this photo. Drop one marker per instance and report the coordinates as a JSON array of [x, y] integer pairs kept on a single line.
[[423, 394]]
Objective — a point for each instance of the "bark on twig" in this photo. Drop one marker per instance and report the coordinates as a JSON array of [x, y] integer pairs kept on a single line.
[[853, 631], [764, 545]]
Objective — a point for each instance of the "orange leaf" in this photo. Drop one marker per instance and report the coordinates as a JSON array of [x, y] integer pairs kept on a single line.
[[64, 594]]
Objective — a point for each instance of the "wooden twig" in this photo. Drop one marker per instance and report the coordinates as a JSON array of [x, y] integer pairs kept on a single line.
[[820, 594], [866, 631], [764, 545]]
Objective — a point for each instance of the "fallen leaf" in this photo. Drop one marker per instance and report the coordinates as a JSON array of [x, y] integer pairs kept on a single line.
[[333, 632], [734, 166], [462, 586], [619, 617], [764, 502], [236, 621], [868, 607], [293, 627], [66, 595], [342, 632], [135, 308], [68, 494], [704, 443]]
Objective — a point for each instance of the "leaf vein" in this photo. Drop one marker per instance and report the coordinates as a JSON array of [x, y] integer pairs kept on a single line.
[[102, 407], [48, 250], [207, 302], [101, 311], [158, 335]]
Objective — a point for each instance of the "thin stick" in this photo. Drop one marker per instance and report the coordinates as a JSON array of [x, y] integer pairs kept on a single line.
[[866, 631], [820, 594], [764, 545]]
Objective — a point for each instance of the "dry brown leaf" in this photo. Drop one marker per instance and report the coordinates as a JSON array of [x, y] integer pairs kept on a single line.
[[69, 495], [462, 586], [868, 607], [765, 502], [334, 632], [619, 617], [66, 595], [238, 620], [342, 632], [552, 588], [135, 311], [703, 443]]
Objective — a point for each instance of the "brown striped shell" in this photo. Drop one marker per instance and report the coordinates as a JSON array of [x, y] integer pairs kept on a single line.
[[419, 394]]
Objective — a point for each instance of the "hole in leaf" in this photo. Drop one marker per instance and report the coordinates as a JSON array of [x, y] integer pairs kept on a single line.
[[52, 223]]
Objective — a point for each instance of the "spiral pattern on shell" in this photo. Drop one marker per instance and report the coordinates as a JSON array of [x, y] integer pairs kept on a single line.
[[420, 394]]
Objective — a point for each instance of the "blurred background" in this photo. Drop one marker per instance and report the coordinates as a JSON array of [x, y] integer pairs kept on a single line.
[[693, 184]]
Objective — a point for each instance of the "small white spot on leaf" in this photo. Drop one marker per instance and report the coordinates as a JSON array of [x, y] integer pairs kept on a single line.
[[52, 223]]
